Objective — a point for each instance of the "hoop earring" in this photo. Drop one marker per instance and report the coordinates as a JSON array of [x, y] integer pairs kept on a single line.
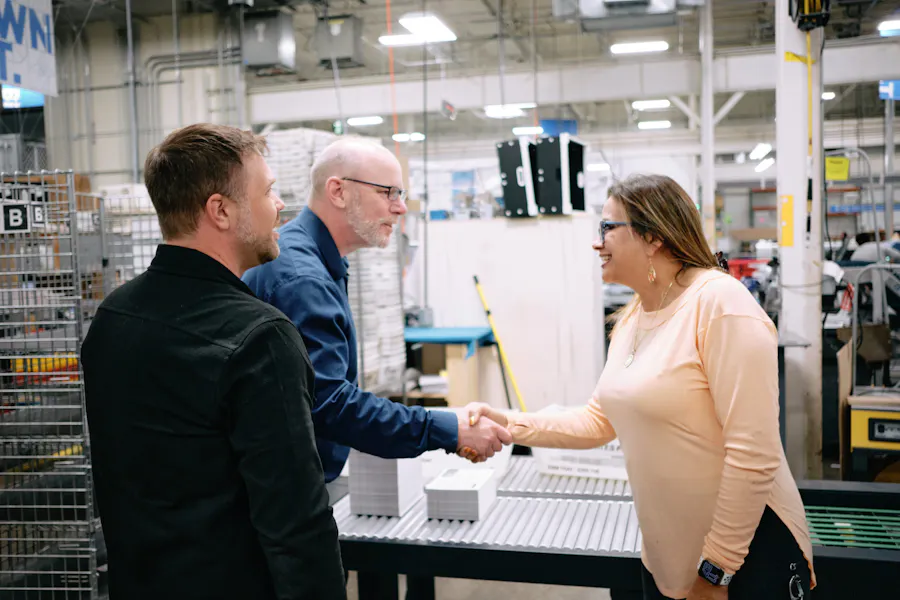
[[651, 273]]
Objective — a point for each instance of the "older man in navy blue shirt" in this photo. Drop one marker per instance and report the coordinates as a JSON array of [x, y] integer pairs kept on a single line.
[[356, 199]]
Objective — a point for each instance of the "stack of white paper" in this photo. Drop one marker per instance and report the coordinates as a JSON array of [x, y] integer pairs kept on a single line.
[[383, 487], [374, 293], [461, 494]]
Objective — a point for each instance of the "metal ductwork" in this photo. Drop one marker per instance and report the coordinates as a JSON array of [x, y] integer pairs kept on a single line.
[[604, 15]]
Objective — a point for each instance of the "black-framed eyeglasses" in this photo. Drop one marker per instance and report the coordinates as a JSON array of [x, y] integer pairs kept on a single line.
[[606, 226], [393, 193]]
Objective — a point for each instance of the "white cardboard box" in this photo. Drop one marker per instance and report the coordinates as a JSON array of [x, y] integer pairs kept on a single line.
[[461, 494]]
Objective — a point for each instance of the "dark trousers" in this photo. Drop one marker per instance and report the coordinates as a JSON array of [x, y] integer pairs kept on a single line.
[[774, 569]]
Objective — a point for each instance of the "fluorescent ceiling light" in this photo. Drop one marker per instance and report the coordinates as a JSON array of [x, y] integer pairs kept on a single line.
[[428, 27], [760, 151], [598, 167], [889, 28], [528, 130], [762, 166], [639, 47], [654, 124], [408, 137], [363, 121], [828, 95], [423, 29], [650, 104], [507, 111]]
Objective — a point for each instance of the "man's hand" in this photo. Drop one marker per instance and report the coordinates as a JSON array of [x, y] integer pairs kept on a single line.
[[704, 590], [479, 440]]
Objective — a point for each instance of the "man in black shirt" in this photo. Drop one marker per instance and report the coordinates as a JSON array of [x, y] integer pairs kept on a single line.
[[208, 482]]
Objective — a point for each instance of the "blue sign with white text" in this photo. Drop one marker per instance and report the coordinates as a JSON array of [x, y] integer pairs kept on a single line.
[[14, 97], [889, 90], [27, 53], [554, 127]]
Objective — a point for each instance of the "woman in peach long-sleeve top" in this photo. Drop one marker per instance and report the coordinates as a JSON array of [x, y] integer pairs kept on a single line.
[[690, 388]]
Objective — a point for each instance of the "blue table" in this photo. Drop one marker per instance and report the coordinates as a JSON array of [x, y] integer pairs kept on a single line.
[[471, 337]]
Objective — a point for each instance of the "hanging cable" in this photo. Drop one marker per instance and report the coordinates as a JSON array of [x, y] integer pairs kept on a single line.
[[389, 23], [502, 61], [334, 68], [425, 198], [534, 58], [809, 90]]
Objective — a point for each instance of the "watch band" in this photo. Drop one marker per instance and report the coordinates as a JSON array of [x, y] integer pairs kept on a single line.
[[713, 573]]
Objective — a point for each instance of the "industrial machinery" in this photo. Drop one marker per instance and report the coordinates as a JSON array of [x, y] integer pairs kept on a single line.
[[874, 409]]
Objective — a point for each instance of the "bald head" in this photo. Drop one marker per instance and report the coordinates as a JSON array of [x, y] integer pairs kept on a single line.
[[348, 157]]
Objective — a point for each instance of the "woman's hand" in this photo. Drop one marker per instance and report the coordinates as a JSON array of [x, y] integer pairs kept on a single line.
[[476, 410], [704, 590]]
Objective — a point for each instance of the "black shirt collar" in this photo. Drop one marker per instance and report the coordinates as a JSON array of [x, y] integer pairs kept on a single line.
[[188, 262]]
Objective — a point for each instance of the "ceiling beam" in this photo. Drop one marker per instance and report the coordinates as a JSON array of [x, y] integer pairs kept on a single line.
[[523, 49], [680, 105], [726, 108], [753, 69]]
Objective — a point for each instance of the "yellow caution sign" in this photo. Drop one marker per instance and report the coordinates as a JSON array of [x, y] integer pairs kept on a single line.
[[786, 221], [837, 168]]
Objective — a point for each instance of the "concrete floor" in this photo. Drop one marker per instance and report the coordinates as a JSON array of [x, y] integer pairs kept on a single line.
[[469, 589]]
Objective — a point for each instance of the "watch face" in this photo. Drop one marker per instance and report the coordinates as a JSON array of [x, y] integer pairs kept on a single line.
[[711, 572]]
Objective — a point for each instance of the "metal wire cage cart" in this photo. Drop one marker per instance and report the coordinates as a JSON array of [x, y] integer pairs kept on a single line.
[[51, 279]]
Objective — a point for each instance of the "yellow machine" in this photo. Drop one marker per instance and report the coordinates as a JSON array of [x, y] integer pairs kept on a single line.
[[874, 428]]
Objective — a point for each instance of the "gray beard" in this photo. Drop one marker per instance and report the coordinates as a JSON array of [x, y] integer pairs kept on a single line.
[[368, 231]]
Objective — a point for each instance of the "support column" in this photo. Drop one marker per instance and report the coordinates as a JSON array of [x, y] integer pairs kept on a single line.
[[693, 123], [888, 169], [800, 316], [813, 313], [707, 124]]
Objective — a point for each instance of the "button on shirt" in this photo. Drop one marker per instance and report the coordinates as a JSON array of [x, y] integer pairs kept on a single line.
[[208, 482], [308, 283]]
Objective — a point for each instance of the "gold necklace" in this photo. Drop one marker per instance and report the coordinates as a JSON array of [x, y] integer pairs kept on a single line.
[[634, 343]]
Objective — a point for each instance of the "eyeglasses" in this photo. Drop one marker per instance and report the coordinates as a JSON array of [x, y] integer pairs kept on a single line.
[[393, 193], [606, 226]]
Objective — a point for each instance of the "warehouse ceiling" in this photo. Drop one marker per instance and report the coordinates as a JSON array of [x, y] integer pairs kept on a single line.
[[501, 36]]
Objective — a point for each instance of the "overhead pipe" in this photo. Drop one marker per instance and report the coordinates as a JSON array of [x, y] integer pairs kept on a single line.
[[90, 130], [180, 59], [183, 60], [177, 48], [132, 96], [154, 83], [220, 49]]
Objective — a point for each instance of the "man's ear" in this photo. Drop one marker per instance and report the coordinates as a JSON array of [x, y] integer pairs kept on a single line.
[[217, 210], [336, 192]]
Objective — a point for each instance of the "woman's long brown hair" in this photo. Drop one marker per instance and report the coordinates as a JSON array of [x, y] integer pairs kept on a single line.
[[659, 209]]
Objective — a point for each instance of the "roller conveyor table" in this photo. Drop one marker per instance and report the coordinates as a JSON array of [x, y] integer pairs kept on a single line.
[[582, 531], [523, 479]]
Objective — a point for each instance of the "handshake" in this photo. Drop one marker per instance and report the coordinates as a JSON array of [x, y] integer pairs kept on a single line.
[[480, 438]]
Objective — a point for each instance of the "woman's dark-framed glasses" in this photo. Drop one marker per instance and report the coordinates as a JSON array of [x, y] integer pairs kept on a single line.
[[393, 193], [606, 226]]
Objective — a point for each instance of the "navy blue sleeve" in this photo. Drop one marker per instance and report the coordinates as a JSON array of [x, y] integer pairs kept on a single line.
[[343, 413]]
